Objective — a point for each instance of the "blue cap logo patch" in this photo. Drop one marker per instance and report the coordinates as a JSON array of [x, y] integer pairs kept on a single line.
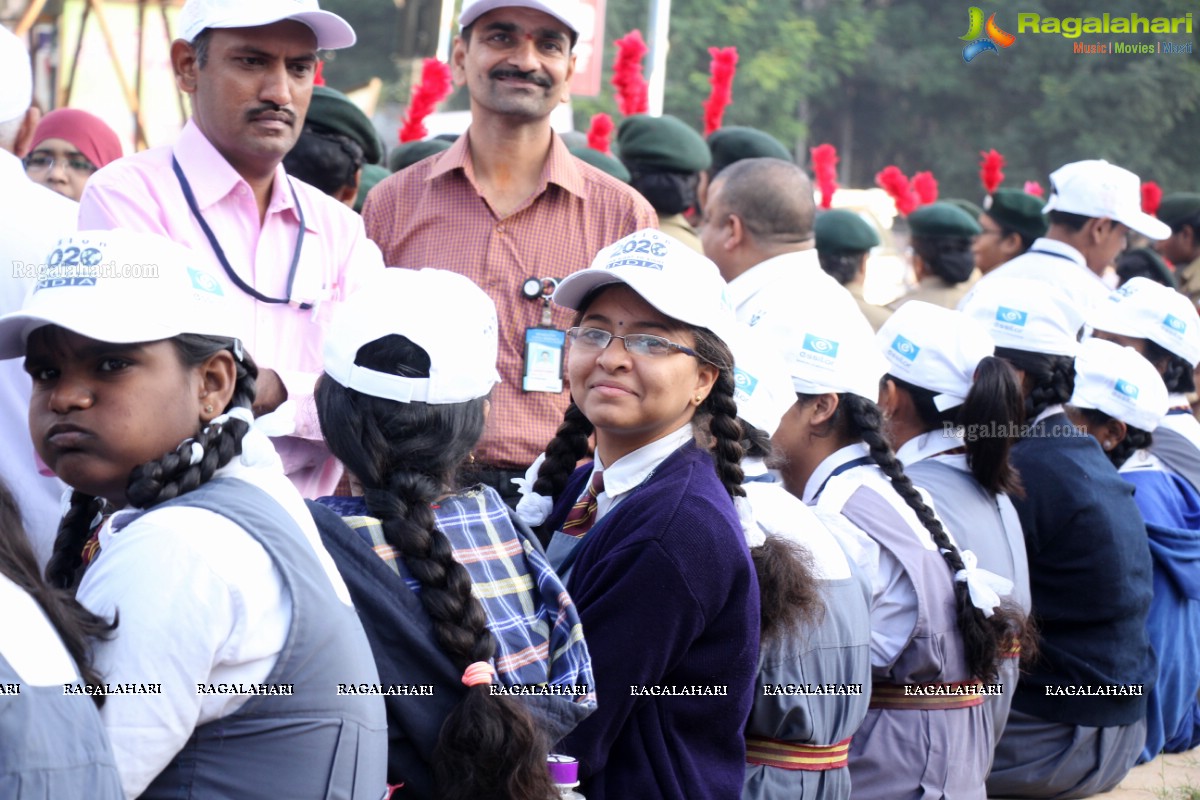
[[744, 382], [824, 347], [204, 282], [1126, 388], [905, 348], [1012, 316], [1175, 323]]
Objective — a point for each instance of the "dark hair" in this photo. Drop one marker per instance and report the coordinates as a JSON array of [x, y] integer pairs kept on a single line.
[[406, 456], [1050, 379], [75, 625], [1135, 438], [1176, 371], [1140, 263], [165, 478], [994, 398], [668, 193], [1192, 222], [324, 159], [1074, 222], [570, 443], [983, 637], [200, 46], [948, 257], [773, 198], [1005, 231], [842, 267], [789, 597]]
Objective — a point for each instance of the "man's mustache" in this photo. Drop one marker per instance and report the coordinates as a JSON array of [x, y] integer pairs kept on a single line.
[[271, 108], [532, 77]]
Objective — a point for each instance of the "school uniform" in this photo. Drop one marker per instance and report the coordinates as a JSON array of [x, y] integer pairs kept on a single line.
[[1091, 584], [668, 597], [909, 746], [1176, 441], [1171, 508], [981, 522], [223, 588], [798, 736], [51, 742], [531, 616]]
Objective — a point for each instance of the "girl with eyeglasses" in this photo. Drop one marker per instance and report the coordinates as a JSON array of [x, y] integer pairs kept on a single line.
[[68, 146], [647, 533]]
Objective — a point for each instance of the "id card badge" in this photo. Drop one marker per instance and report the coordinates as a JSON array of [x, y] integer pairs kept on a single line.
[[544, 349]]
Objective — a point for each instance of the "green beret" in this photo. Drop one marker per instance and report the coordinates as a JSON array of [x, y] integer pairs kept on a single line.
[[332, 110], [665, 143], [602, 162], [1175, 208], [371, 175], [973, 211], [942, 219], [842, 231], [1017, 210], [410, 153], [736, 143]]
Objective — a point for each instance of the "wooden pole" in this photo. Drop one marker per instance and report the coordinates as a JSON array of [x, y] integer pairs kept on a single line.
[[29, 17], [130, 98]]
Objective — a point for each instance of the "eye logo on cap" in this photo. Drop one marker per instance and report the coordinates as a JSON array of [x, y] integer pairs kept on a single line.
[[1126, 388], [1175, 323], [1012, 316], [820, 346], [905, 348], [744, 382], [204, 282]]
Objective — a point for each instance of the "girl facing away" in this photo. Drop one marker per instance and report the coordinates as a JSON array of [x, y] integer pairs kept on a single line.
[[1120, 400], [453, 595], [647, 531], [938, 622], [235, 628]]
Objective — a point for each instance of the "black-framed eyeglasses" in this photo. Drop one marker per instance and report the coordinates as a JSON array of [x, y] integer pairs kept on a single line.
[[639, 344], [39, 162]]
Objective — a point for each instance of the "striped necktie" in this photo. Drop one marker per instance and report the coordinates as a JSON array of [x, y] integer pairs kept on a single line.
[[583, 513]]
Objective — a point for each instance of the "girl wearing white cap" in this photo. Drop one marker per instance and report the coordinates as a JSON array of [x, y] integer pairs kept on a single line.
[[953, 412], [937, 622], [648, 532], [814, 667], [234, 625], [1089, 570], [1121, 400], [1163, 326], [449, 590]]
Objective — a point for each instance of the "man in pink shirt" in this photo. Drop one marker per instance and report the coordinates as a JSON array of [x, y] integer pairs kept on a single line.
[[285, 252]]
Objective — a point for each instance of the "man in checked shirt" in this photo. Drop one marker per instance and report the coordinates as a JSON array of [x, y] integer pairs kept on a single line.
[[506, 204]]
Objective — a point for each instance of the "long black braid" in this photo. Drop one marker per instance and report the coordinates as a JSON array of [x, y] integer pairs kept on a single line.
[[406, 456], [169, 476], [1135, 438], [983, 637]]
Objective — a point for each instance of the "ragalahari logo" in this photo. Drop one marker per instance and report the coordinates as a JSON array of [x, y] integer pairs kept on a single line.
[[982, 38]]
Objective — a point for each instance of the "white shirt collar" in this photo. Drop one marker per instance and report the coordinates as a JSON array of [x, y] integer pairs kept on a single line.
[[821, 474], [1048, 412], [1175, 400], [927, 445], [1061, 249], [754, 468], [628, 471], [765, 274], [1142, 460]]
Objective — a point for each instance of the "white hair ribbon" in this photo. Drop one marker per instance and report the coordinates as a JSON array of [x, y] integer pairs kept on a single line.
[[196, 454], [984, 587], [532, 508]]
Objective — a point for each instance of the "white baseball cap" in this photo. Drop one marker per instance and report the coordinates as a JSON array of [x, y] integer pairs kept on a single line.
[[1099, 189], [935, 348], [333, 32], [1145, 309], [762, 383], [565, 11], [1120, 382], [828, 350], [442, 312], [123, 287], [665, 272], [1025, 314], [16, 91]]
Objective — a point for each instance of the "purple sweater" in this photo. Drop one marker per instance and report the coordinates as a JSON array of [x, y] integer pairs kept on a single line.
[[668, 597]]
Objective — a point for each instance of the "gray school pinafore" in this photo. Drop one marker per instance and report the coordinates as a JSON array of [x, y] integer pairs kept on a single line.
[[990, 527], [914, 753], [314, 744]]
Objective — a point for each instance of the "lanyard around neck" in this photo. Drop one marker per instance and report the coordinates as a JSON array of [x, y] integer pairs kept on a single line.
[[220, 253]]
